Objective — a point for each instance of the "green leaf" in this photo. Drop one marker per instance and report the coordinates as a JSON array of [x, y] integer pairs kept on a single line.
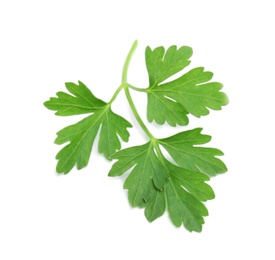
[[183, 192], [81, 135], [190, 93], [184, 150], [147, 174], [192, 181], [162, 65], [184, 208], [156, 184], [164, 109], [155, 206], [82, 102], [180, 190]]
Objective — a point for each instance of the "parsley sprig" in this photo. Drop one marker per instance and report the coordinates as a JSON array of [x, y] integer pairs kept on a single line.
[[155, 183]]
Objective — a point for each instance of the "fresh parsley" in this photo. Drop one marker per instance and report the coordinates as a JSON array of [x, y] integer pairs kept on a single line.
[[156, 183]]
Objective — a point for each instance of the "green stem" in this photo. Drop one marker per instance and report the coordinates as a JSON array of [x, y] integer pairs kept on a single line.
[[128, 95], [127, 62], [126, 87], [134, 110], [137, 89], [115, 94], [124, 72], [153, 140]]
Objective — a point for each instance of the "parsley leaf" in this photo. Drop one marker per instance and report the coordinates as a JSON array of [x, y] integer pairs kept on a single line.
[[81, 135], [161, 65], [157, 184], [190, 93], [183, 206], [82, 102], [148, 172], [184, 150]]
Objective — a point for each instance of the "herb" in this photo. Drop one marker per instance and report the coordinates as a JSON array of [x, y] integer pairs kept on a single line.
[[82, 134], [155, 182]]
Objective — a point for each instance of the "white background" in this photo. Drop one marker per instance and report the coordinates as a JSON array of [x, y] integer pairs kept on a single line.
[[85, 214]]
